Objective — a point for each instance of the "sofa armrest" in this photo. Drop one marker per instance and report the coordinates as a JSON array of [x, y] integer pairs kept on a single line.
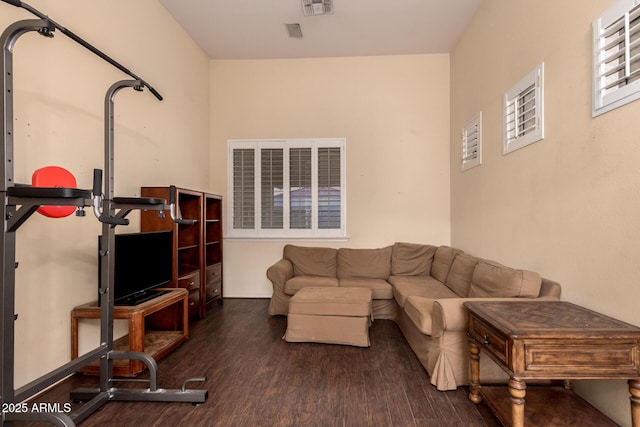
[[279, 273], [549, 288], [450, 315]]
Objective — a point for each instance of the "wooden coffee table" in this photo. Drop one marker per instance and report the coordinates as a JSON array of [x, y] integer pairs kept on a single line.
[[551, 340]]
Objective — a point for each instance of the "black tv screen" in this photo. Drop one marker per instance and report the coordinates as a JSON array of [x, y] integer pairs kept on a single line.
[[142, 261]]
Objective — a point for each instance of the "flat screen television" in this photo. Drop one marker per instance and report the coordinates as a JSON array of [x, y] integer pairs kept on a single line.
[[142, 261]]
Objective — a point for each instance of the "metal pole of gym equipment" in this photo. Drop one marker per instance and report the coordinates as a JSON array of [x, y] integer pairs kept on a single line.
[[14, 217]]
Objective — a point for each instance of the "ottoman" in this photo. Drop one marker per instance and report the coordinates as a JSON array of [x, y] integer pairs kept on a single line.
[[330, 315]]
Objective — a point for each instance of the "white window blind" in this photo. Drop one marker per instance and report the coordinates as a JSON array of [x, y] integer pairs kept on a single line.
[[472, 143], [616, 57], [300, 203], [329, 188], [271, 187], [244, 189], [287, 188], [523, 112]]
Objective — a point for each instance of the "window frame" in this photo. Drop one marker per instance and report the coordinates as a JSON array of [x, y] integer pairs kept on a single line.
[[602, 101], [518, 92], [286, 232], [473, 127]]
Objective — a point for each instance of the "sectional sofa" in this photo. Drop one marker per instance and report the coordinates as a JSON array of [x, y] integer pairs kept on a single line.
[[421, 287]]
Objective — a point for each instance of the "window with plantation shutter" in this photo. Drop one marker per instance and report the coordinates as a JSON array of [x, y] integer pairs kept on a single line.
[[523, 112], [472, 143], [292, 188], [616, 57]]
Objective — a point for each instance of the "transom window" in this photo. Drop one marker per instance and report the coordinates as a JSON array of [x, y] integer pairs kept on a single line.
[[472, 143], [523, 112], [616, 57], [293, 188]]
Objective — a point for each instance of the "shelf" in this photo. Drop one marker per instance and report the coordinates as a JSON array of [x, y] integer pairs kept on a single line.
[[157, 344], [185, 248], [184, 271], [188, 235], [545, 406]]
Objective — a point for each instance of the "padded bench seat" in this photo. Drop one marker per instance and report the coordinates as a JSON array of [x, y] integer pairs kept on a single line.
[[339, 315]]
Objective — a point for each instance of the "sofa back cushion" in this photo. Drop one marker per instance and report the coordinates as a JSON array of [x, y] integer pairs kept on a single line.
[[312, 261], [371, 263], [461, 274], [411, 259], [442, 261], [491, 279]]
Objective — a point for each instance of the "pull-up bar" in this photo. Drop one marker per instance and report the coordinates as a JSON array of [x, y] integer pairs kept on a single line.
[[83, 43]]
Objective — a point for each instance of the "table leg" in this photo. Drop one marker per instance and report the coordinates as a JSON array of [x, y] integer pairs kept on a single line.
[[136, 340], [74, 336], [185, 316], [634, 389], [474, 374], [517, 390]]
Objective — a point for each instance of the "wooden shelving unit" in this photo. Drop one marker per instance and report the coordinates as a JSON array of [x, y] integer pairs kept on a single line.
[[213, 248], [197, 261]]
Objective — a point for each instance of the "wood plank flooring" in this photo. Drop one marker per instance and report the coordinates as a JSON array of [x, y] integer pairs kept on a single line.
[[255, 378]]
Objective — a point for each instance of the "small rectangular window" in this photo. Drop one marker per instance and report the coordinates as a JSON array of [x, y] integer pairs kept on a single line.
[[523, 112], [472, 143], [616, 57]]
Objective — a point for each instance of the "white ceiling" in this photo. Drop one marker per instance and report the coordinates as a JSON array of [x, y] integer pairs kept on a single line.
[[255, 29]]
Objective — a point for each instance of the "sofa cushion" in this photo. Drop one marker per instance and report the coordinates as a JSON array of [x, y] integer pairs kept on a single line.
[[296, 283], [371, 263], [313, 261], [461, 273], [420, 310], [411, 259], [442, 261], [491, 279], [380, 288], [423, 286]]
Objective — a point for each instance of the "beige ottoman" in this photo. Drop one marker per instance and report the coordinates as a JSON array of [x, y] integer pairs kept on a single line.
[[330, 315]]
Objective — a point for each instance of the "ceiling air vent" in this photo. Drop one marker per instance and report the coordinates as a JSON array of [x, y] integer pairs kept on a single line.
[[294, 30], [317, 7]]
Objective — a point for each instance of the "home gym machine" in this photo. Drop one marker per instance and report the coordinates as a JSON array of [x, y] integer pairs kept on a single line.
[[19, 202]]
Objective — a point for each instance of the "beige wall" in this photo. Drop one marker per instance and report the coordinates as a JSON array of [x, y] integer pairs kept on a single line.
[[567, 206], [394, 113], [59, 97]]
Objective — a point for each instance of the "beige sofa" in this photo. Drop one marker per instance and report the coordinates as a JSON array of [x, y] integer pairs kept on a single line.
[[421, 287]]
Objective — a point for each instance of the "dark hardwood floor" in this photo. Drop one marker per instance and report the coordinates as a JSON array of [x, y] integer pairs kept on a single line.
[[255, 378]]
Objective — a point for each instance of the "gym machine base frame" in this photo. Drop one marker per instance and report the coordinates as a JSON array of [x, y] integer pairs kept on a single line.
[[19, 203]]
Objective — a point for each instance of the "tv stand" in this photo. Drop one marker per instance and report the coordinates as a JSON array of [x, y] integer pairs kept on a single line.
[[156, 343]]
